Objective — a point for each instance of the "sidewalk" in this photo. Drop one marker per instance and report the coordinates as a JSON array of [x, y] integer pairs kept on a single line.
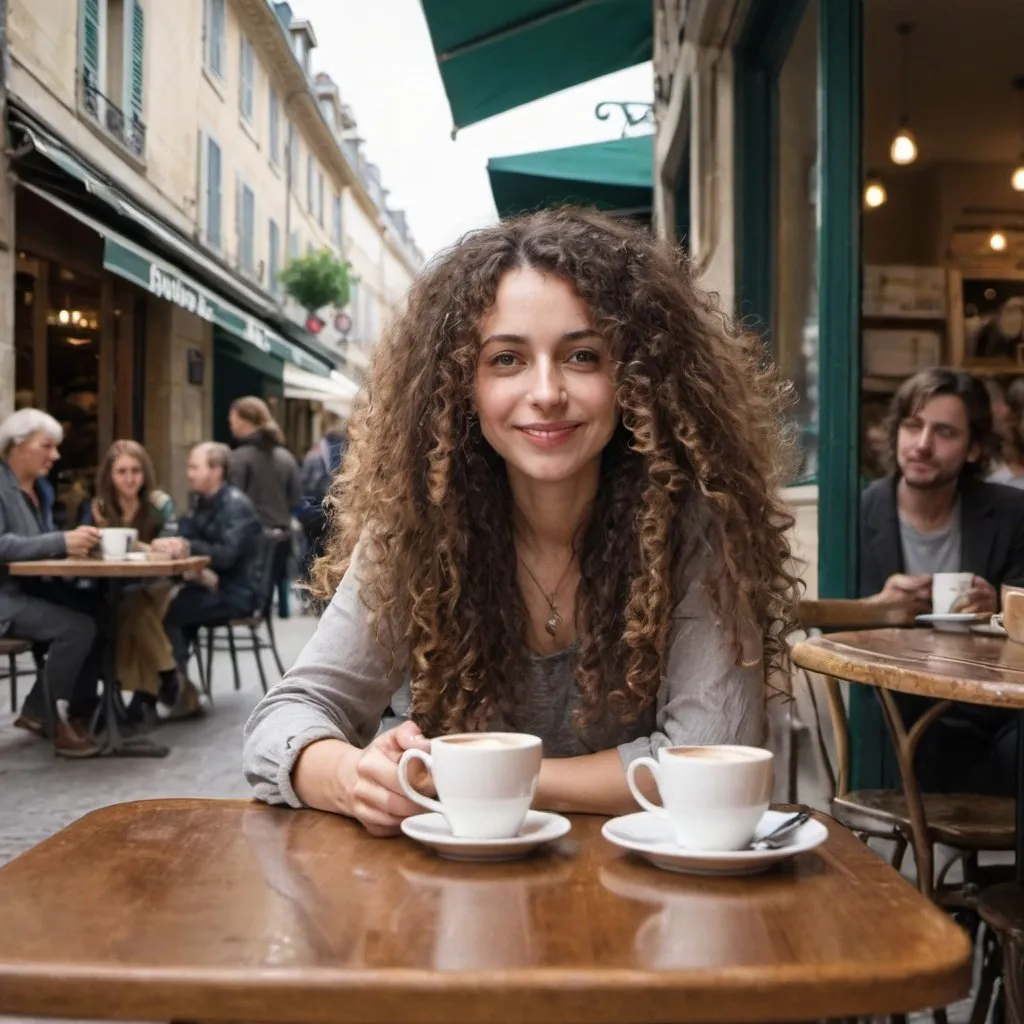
[[41, 794]]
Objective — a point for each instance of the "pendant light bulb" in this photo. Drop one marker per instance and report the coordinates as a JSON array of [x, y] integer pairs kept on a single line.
[[997, 241], [875, 193], [1017, 180], [903, 148]]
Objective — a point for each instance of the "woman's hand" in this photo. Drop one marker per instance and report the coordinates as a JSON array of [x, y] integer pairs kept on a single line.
[[981, 598], [174, 547], [81, 540], [369, 782]]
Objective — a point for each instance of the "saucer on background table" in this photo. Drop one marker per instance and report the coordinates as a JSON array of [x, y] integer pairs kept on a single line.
[[650, 836], [994, 627], [955, 622], [433, 831]]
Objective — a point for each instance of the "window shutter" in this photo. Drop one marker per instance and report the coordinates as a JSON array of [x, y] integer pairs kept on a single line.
[[91, 41], [136, 93], [213, 194]]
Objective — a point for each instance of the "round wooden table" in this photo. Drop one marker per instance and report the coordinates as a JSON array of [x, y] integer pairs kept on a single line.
[[966, 667], [114, 575]]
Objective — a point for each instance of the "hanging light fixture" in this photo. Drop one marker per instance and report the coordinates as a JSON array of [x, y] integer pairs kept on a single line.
[[875, 193], [903, 148], [1017, 178], [997, 241]]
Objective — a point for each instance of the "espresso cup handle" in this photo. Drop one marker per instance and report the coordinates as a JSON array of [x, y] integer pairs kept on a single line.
[[653, 767], [403, 780]]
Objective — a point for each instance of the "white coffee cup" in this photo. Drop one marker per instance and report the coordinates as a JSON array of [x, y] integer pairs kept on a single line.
[[947, 589], [485, 781], [714, 796], [116, 541]]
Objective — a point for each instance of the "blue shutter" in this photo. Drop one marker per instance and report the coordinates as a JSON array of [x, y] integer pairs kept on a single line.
[[215, 36], [274, 127], [213, 194], [136, 94], [272, 261], [91, 42], [248, 229]]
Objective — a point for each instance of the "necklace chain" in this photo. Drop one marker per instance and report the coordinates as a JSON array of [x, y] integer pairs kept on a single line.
[[553, 621]]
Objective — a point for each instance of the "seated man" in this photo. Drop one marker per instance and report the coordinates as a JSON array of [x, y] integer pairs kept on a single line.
[[223, 526], [46, 611], [934, 513]]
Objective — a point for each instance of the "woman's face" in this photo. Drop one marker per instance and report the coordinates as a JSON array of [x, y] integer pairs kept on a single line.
[[545, 380], [127, 476], [35, 456]]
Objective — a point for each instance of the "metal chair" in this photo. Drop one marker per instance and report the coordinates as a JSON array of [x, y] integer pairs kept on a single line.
[[11, 647], [276, 546], [970, 824]]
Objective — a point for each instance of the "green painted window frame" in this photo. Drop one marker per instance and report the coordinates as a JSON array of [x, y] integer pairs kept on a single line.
[[764, 41]]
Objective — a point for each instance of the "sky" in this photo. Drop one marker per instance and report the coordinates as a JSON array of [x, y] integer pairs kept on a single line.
[[379, 55]]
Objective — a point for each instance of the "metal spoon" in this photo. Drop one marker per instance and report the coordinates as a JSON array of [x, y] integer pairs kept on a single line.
[[774, 839]]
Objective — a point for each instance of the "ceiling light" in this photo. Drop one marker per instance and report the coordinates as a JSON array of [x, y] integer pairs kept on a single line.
[[875, 193], [997, 241], [64, 316], [1017, 179], [903, 148]]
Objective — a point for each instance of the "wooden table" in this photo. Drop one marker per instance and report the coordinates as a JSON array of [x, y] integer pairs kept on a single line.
[[234, 911], [946, 666], [114, 574]]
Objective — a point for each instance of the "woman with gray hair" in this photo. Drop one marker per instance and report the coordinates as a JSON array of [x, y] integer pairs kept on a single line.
[[39, 610]]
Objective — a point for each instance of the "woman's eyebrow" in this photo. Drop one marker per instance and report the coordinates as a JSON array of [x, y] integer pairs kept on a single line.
[[519, 339]]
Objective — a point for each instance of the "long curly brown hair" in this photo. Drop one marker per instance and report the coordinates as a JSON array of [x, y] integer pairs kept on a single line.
[[694, 466]]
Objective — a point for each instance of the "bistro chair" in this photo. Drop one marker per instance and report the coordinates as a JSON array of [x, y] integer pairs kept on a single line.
[[259, 626], [967, 823], [11, 647]]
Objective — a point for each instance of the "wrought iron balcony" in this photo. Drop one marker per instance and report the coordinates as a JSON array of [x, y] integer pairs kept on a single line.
[[130, 132]]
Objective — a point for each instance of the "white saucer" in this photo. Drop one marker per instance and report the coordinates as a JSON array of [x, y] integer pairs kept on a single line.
[[432, 830], [955, 622], [650, 837]]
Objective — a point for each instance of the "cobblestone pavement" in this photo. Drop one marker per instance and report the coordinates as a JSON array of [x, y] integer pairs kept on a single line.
[[41, 794]]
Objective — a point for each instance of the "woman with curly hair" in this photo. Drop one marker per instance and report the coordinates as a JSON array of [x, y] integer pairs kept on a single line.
[[557, 515]]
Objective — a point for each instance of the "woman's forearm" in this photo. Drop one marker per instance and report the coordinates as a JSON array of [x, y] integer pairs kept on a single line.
[[320, 774], [589, 784]]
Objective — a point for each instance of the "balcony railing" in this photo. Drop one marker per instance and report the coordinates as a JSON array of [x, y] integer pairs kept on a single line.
[[130, 132]]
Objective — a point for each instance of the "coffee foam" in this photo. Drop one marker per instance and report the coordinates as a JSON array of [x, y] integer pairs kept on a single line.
[[484, 742], [715, 753]]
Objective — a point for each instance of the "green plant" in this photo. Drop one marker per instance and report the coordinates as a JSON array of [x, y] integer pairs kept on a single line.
[[317, 280]]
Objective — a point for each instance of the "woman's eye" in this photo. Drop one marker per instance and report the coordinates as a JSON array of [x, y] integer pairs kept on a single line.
[[584, 355], [504, 359]]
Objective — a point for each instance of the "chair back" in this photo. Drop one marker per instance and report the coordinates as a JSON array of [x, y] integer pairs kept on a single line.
[[276, 546], [835, 614]]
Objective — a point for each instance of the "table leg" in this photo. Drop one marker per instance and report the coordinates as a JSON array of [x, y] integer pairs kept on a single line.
[[1020, 797], [118, 744]]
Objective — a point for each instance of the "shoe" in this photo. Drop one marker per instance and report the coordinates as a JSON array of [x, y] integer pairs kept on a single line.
[[188, 705], [69, 742], [36, 726]]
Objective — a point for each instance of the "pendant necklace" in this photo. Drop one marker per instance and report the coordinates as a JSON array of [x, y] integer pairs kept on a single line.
[[555, 619]]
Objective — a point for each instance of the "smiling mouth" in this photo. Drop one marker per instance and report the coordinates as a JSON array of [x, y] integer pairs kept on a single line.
[[548, 434]]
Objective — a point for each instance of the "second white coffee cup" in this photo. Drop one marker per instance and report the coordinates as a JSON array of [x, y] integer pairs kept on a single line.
[[485, 781], [714, 796]]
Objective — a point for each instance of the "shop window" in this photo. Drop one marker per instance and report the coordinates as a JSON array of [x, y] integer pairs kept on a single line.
[[794, 328], [214, 31], [247, 83]]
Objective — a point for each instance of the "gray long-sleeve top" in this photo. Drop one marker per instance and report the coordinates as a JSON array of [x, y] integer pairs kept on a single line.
[[340, 687]]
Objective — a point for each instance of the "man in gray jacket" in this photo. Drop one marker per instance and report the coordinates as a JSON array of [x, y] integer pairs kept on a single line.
[[44, 611]]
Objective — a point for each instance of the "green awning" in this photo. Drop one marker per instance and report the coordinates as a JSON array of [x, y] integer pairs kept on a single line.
[[497, 55], [137, 264], [616, 176]]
